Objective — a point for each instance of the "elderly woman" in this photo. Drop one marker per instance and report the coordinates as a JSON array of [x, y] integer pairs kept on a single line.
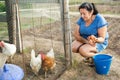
[[90, 34]]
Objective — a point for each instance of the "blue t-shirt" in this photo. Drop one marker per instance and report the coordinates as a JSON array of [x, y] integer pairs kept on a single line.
[[92, 29]]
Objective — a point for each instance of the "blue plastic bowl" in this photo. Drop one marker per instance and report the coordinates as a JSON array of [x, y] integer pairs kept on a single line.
[[11, 72], [102, 63]]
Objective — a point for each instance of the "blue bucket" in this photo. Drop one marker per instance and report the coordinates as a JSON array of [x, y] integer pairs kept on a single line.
[[102, 63]]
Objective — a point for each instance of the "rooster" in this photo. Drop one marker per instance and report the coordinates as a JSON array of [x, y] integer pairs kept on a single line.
[[35, 62], [48, 61], [8, 49]]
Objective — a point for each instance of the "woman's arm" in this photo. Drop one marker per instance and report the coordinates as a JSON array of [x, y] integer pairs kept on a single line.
[[101, 34], [77, 35]]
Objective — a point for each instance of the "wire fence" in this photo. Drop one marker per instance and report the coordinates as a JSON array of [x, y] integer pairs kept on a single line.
[[41, 30]]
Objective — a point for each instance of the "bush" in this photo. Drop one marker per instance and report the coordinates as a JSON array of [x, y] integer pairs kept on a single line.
[[2, 7]]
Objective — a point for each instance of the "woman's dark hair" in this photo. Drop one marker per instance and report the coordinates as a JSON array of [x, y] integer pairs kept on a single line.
[[89, 7]]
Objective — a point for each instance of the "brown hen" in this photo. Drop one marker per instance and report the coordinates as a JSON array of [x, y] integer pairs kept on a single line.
[[48, 61]]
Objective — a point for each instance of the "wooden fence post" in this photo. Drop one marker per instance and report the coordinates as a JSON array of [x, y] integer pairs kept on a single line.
[[66, 31], [13, 23], [10, 21], [18, 29]]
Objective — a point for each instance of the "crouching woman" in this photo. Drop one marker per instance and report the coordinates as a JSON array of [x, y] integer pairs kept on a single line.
[[90, 33]]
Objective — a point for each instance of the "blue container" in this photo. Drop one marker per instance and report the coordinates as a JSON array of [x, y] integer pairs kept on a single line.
[[11, 72], [102, 63]]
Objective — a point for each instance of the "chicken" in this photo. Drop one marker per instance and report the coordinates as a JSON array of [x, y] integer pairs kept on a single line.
[[8, 49], [92, 40], [51, 54], [48, 61], [35, 62]]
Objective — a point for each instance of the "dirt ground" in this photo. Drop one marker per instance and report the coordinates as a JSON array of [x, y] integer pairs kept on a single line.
[[79, 70]]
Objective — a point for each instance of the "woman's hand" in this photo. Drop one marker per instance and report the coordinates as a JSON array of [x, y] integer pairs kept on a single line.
[[92, 40]]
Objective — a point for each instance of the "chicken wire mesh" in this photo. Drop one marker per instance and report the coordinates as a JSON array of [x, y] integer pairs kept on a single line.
[[41, 30], [3, 23]]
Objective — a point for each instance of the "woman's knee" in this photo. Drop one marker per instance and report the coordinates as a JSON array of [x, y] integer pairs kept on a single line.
[[74, 46], [86, 53], [73, 49], [82, 52]]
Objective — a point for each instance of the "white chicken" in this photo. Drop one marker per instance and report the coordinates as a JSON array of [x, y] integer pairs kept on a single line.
[[8, 49], [35, 62], [51, 53]]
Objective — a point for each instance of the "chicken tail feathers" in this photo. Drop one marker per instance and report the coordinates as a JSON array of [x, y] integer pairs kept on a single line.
[[51, 53], [32, 53]]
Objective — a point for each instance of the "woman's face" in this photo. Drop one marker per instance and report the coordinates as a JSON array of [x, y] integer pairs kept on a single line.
[[86, 15]]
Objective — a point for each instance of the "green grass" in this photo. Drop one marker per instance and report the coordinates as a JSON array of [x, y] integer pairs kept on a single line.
[[3, 31], [27, 50], [75, 64], [2, 6], [25, 5], [35, 22], [3, 24]]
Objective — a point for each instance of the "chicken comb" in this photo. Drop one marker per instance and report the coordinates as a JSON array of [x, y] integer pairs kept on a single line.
[[2, 43], [42, 54]]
